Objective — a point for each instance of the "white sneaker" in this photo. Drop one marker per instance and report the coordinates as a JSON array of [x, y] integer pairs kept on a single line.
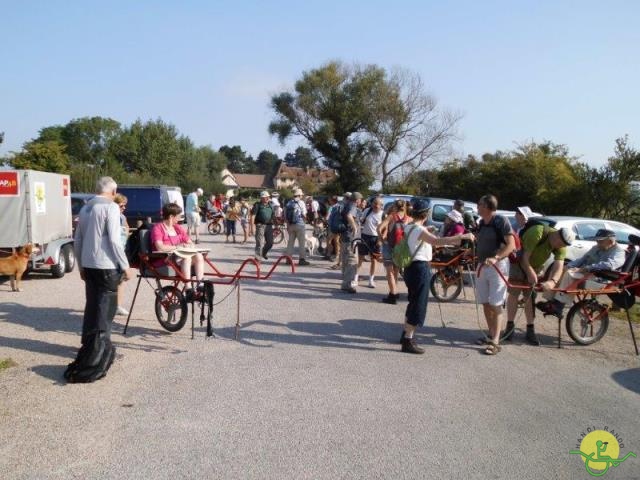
[[371, 284], [122, 311]]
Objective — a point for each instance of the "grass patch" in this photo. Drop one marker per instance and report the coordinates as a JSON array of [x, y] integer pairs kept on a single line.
[[7, 363], [634, 312]]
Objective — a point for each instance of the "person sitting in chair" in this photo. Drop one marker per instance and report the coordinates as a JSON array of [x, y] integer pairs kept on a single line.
[[169, 236], [607, 254]]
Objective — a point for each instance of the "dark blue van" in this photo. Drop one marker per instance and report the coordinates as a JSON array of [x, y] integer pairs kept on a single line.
[[146, 201]]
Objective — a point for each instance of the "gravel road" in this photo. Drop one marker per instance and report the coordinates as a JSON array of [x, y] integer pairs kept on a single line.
[[316, 388]]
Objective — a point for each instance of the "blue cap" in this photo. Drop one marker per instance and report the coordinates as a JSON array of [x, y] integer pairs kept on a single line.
[[419, 206]]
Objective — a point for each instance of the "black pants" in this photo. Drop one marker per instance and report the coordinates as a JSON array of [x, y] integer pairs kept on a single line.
[[101, 287]]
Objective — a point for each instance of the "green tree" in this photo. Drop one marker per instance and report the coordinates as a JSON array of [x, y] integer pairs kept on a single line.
[[330, 108], [43, 156], [302, 158], [267, 163], [237, 160], [611, 191]]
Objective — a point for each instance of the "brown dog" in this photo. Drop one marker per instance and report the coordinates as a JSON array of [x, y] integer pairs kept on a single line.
[[15, 265]]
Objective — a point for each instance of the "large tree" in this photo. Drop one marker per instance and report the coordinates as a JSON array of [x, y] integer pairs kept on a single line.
[[45, 156], [237, 160], [302, 157], [267, 163], [408, 126], [330, 108]]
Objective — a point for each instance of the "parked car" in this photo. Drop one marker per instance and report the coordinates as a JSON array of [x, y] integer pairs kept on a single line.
[[511, 216], [78, 200]]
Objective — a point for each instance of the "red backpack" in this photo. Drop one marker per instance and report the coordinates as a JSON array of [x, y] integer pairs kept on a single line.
[[396, 230]]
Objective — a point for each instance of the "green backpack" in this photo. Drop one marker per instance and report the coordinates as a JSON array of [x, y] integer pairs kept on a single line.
[[401, 254]]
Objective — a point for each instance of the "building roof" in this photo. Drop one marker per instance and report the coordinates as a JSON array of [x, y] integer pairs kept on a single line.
[[245, 180]]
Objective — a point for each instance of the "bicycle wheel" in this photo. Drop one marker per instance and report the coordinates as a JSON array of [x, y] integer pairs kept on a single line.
[[171, 308], [278, 236], [214, 228], [446, 286], [587, 322]]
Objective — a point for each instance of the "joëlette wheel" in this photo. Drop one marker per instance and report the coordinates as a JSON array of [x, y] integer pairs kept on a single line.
[[587, 322], [446, 286], [171, 309]]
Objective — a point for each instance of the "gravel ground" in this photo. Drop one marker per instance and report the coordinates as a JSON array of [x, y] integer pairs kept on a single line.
[[315, 388]]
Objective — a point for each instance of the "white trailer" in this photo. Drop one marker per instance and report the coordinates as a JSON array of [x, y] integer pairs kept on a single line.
[[35, 207]]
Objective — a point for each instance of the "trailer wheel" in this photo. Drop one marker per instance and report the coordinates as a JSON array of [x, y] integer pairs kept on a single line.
[[69, 257], [58, 270]]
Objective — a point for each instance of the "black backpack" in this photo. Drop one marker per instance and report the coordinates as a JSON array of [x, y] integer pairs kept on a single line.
[[132, 247]]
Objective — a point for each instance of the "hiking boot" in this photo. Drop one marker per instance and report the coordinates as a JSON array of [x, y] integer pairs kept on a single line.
[[409, 345], [390, 299], [303, 262], [508, 332], [531, 337]]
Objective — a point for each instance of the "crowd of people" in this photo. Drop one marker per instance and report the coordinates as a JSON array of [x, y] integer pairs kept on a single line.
[[355, 233]]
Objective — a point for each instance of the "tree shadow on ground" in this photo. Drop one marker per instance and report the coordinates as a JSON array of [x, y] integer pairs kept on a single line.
[[354, 333]]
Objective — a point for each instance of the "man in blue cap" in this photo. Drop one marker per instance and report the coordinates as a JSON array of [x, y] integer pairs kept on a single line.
[[607, 254]]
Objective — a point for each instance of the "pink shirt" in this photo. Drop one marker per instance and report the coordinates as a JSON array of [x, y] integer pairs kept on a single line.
[[159, 233]]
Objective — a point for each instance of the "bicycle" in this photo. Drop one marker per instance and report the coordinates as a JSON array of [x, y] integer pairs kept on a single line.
[[214, 226]]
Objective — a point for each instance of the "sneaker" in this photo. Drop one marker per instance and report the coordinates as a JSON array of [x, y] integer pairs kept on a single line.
[[122, 311], [531, 337], [303, 262], [409, 345], [390, 299], [371, 283]]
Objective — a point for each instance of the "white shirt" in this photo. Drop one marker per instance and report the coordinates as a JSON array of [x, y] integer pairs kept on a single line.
[[425, 252], [371, 222]]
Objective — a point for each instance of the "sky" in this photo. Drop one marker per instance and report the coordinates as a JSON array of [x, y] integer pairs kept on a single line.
[[518, 71]]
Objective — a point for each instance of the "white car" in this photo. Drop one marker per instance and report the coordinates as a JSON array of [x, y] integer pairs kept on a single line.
[[585, 229]]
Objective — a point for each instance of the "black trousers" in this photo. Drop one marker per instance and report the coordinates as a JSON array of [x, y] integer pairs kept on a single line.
[[101, 288]]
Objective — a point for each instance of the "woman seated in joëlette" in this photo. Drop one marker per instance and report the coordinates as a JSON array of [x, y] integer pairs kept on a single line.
[[168, 236]]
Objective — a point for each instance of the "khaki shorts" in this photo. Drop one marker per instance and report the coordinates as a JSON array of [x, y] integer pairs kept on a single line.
[[518, 277]]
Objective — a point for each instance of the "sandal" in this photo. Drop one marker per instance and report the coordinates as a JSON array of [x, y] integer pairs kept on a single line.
[[492, 349]]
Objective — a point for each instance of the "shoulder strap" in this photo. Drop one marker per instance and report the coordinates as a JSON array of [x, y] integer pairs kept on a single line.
[[413, 255]]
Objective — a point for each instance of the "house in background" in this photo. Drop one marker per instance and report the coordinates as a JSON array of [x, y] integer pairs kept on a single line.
[[292, 177], [236, 181]]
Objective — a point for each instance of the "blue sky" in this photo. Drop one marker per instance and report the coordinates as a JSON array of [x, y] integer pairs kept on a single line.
[[562, 71]]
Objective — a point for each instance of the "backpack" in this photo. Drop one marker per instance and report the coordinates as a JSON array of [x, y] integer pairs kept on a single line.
[[515, 255], [132, 247], [401, 253], [395, 233], [290, 211], [336, 219]]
